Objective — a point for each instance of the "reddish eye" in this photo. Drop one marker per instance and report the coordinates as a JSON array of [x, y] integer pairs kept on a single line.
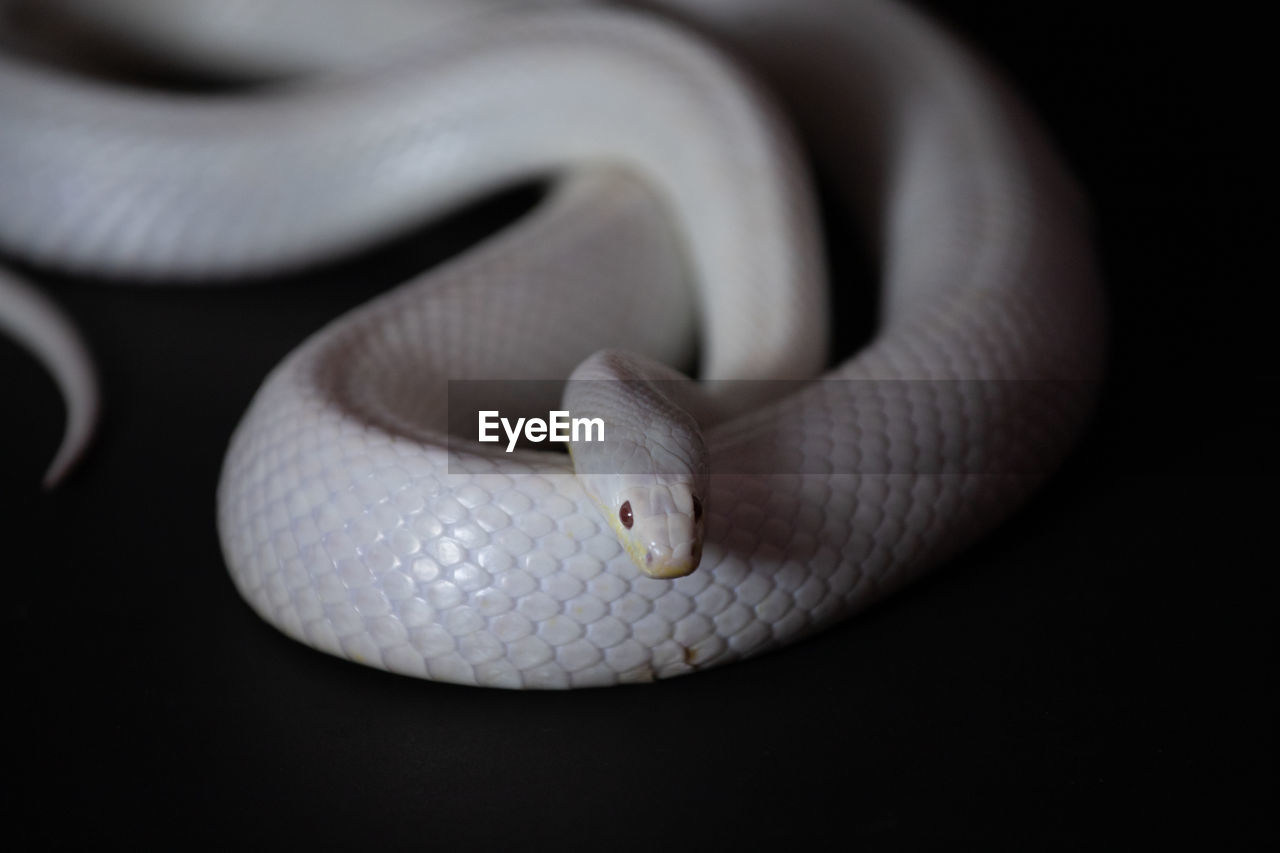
[[624, 515], [697, 509]]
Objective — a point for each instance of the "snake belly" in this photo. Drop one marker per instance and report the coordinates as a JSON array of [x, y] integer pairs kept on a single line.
[[352, 522]]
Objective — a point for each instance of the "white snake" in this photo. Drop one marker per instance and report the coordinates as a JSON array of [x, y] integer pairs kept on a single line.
[[343, 519]]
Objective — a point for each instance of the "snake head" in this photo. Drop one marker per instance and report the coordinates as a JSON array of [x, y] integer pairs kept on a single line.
[[648, 471], [661, 526], [656, 505]]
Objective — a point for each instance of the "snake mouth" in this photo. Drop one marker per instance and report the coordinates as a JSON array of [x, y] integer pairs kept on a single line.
[[661, 563]]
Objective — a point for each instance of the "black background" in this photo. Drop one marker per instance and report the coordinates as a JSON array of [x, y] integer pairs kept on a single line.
[[1100, 671]]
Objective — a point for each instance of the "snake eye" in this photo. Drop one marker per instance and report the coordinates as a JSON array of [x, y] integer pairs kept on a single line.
[[697, 509], [624, 515]]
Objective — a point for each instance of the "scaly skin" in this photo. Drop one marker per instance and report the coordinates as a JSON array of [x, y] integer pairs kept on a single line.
[[345, 519]]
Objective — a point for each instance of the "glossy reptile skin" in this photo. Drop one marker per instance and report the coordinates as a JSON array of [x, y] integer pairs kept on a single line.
[[342, 519]]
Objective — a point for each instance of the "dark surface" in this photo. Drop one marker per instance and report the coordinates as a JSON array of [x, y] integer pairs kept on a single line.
[[1100, 671]]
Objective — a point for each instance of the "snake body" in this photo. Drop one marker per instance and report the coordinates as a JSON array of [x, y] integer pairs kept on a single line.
[[349, 518]]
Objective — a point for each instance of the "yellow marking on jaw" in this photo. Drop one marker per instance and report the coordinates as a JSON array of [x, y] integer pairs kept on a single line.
[[636, 551]]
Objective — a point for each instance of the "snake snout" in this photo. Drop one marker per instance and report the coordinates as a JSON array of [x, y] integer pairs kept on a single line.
[[661, 562]]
